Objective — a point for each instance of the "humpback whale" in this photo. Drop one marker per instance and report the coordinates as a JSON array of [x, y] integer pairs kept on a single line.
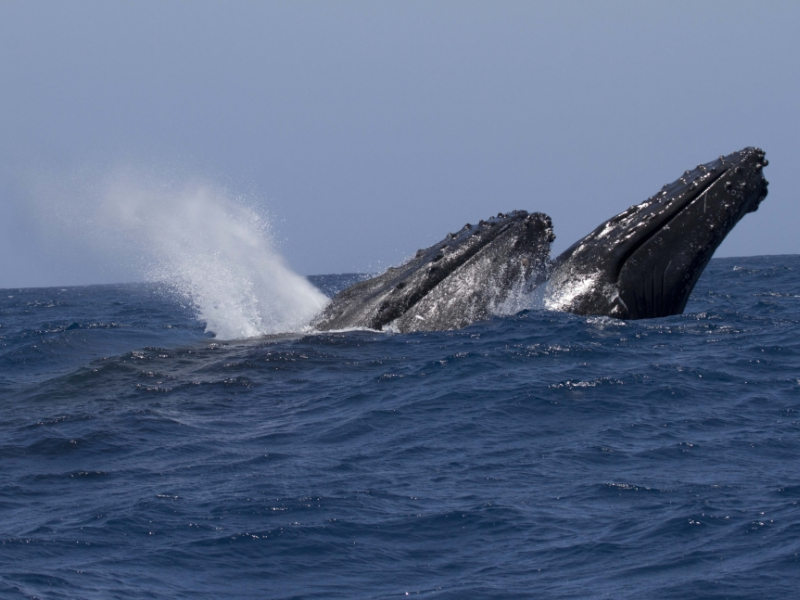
[[642, 263], [451, 284]]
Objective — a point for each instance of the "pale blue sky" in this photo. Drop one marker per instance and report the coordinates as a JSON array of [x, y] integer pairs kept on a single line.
[[369, 129]]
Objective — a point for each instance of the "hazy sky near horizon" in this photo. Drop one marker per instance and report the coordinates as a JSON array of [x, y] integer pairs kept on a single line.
[[369, 129]]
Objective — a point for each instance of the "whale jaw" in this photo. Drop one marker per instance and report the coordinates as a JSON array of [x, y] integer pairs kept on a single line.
[[450, 284], [644, 262]]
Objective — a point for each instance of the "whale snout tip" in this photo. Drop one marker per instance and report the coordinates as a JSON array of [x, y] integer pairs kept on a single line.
[[748, 177], [754, 156]]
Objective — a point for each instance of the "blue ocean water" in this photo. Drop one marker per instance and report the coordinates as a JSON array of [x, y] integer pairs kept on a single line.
[[544, 455]]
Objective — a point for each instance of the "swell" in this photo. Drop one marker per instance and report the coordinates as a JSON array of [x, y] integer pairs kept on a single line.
[[542, 451]]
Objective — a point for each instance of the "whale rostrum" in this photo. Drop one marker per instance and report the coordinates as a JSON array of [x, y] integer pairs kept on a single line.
[[642, 263]]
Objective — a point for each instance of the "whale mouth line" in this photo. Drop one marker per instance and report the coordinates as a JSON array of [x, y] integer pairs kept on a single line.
[[669, 218], [487, 231]]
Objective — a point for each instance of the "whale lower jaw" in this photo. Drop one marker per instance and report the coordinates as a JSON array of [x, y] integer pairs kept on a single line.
[[451, 284]]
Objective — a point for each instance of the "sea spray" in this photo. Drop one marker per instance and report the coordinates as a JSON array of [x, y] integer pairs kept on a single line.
[[211, 247], [217, 253]]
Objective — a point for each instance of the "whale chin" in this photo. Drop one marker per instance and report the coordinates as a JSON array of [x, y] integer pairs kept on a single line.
[[642, 263]]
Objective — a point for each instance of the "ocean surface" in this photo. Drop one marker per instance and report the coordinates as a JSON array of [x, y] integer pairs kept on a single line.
[[544, 455]]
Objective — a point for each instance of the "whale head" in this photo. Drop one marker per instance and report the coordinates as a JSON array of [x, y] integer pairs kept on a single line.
[[451, 284], [644, 262]]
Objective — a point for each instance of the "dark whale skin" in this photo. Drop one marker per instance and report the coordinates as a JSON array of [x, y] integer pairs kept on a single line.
[[644, 262], [452, 283]]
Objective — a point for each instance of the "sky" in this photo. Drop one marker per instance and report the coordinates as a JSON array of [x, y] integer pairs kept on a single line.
[[366, 130]]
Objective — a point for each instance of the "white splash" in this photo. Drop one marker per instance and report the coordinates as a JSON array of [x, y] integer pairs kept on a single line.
[[214, 251], [523, 295], [212, 248], [561, 291]]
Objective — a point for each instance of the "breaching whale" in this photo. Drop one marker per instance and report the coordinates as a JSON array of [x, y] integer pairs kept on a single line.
[[642, 263]]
